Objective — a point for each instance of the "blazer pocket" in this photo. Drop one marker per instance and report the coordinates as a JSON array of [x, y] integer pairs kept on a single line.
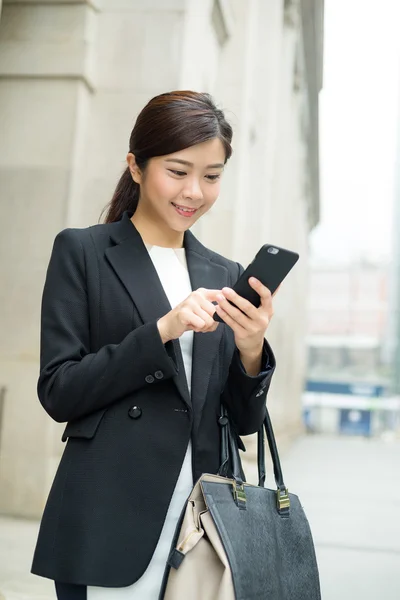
[[85, 427]]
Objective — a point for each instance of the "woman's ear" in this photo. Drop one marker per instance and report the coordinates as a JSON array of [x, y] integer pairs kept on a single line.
[[134, 169]]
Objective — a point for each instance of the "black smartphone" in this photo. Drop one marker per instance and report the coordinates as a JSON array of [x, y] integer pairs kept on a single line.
[[270, 266]]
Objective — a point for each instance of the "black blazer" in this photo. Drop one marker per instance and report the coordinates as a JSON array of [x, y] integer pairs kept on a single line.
[[105, 370]]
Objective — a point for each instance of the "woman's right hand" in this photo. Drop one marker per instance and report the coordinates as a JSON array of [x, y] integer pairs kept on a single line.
[[193, 314]]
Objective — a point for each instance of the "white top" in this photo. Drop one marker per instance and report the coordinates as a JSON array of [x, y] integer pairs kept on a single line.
[[171, 267]]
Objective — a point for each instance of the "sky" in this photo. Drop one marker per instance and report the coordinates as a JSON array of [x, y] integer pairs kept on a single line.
[[359, 114]]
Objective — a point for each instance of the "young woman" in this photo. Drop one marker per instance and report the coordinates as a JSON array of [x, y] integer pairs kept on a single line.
[[133, 360]]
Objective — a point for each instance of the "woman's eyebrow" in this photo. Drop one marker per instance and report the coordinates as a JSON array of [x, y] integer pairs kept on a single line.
[[189, 164]]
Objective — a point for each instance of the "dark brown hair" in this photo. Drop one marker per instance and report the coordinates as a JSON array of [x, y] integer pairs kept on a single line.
[[168, 123]]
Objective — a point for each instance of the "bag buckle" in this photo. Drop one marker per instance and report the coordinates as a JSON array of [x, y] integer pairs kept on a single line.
[[239, 495], [283, 501]]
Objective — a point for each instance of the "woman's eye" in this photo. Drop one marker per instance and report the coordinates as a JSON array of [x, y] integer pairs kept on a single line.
[[183, 173]]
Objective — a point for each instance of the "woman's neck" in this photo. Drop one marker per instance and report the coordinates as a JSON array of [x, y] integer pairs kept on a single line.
[[156, 234]]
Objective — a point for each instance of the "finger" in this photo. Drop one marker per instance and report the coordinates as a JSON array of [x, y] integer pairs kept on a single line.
[[237, 328], [234, 312], [204, 315], [262, 291], [210, 295], [190, 319], [208, 306], [245, 306], [200, 300]]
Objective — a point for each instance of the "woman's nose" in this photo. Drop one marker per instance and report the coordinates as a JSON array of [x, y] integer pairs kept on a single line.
[[193, 189]]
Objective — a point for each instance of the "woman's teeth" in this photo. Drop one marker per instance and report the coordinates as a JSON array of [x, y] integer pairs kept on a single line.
[[186, 211]]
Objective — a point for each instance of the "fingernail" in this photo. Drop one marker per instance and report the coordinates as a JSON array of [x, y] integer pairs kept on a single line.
[[220, 298]]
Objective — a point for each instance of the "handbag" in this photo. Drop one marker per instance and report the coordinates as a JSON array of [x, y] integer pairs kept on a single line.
[[238, 541]]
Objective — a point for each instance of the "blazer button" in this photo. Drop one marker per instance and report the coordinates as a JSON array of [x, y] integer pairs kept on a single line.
[[135, 412], [149, 379], [159, 374]]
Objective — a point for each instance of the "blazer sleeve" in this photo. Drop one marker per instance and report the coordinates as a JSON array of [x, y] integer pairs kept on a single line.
[[245, 395], [74, 381]]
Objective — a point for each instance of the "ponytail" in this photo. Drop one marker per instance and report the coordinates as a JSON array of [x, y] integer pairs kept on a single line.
[[125, 198]]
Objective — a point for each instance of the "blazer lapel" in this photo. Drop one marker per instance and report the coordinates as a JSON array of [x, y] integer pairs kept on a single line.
[[131, 262], [204, 273]]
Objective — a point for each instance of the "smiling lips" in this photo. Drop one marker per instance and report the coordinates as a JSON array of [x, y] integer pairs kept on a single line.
[[184, 211]]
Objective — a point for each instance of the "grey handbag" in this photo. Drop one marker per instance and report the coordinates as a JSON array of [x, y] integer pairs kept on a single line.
[[237, 541]]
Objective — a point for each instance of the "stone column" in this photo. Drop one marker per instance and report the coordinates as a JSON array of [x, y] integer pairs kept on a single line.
[[44, 79]]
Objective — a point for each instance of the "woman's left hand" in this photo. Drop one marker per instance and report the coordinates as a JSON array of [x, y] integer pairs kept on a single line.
[[249, 324]]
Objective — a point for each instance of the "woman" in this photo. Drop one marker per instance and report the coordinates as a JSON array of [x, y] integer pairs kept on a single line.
[[133, 360]]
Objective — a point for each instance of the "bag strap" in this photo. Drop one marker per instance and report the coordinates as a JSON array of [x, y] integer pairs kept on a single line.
[[283, 502], [224, 450], [261, 457], [230, 456], [230, 459]]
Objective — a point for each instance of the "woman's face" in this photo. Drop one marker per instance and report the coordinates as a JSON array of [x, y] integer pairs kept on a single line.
[[177, 189]]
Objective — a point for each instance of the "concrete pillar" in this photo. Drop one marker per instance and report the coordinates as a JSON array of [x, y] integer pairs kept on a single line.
[[137, 55], [43, 79]]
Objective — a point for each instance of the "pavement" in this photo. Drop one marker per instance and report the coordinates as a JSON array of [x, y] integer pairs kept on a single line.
[[350, 491]]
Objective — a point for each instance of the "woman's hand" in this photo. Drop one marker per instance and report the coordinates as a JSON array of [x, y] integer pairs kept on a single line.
[[249, 324], [193, 314]]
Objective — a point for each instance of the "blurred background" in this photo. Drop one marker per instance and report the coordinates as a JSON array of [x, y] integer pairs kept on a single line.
[[312, 91]]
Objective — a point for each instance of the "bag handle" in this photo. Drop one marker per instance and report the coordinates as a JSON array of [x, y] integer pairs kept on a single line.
[[283, 501], [230, 457], [224, 450], [261, 457]]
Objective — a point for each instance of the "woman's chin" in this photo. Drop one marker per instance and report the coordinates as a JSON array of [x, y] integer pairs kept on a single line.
[[180, 225]]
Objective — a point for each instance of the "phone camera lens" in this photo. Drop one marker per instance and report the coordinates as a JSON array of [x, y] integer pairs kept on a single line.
[[273, 250]]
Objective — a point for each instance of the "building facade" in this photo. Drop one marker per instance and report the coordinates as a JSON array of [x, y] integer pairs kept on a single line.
[[348, 386], [348, 321], [73, 77]]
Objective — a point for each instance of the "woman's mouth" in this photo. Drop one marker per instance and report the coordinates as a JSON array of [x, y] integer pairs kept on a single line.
[[184, 211]]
